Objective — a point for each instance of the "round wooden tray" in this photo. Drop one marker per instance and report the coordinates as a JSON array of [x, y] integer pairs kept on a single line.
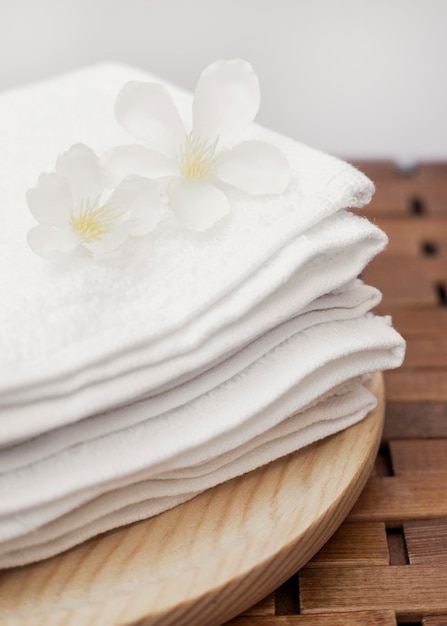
[[210, 558]]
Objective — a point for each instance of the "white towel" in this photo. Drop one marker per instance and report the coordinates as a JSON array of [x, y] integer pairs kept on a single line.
[[275, 386], [137, 501], [350, 302], [131, 384], [88, 312], [338, 248]]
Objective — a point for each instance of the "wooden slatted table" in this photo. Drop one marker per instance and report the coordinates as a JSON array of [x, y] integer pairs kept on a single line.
[[387, 564]]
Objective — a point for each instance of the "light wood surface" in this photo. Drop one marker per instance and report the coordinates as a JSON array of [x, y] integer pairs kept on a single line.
[[205, 561]]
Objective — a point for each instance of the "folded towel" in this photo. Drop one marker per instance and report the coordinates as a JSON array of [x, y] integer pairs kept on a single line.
[[353, 301], [130, 384], [141, 499], [275, 386], [89, 311], [331, 254]]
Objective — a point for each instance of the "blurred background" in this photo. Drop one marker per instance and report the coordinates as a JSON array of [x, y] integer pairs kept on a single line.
[[357, 78]]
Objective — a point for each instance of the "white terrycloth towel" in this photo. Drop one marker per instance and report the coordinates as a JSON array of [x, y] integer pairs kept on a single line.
[[334, 252], [141, 499], [131, 384], [353, 301], [252, 402], [59, 320]]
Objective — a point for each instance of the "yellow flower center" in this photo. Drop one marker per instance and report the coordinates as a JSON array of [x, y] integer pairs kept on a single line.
[[197, 158], [93, 221]]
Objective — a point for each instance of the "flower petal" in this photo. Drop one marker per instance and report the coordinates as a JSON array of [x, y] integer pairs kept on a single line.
[[52, 243], [147, 112], [255, 167], [80, 166], [138, 196], [226, 100], [50, 200], [197, 204], [126, 160], [109, 242]]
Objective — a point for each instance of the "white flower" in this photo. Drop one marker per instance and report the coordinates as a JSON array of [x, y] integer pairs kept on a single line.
[[74, 208], [225, 102]]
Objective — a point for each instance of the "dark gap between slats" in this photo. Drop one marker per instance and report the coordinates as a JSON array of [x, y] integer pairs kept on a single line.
[[429, 248], [441, 294], [397, 546], [287, 597], [417, 206], [383, 465]]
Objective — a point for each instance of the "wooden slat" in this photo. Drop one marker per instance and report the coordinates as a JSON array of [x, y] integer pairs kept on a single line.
[[392, 269], [350, 618], [264, 607], [426, 541], [407, 281], [435, 620], [417, 321], [395, 499], [430, 170], [419, 456], [399, 292], [392, 199], [416, 385], [410, 590], [415, 419], [407, 237], [354, 544], [422, 352], [433, 191]]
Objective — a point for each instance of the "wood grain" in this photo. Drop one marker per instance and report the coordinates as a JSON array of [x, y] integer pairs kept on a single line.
[[407, 237], [207, 560], [416, 385], [419, 456], [429, 353], [351, 618], [417, 321], [435, 620], [407, 281], [354, 544], [395, 499], [265, 607], [415, 420], [409, 590], [426, 541]]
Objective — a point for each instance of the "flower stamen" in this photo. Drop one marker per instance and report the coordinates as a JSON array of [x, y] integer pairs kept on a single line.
[[197, 158], [92, 221]]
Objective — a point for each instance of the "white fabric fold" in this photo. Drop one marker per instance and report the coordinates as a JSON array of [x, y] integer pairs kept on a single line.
[[131, 384], [314, 264], [140, 500], [353, 301], [335, 352], [91, 311]]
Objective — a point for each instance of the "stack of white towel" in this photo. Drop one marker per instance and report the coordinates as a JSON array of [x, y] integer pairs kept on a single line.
[[130, 385]]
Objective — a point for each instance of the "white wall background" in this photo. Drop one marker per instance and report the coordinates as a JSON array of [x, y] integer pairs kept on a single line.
[[359, 78]]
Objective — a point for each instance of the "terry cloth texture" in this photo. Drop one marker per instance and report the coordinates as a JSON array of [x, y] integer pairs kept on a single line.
[[129, 385]]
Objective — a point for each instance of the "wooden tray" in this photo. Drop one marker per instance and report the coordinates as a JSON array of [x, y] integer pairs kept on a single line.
[[210, 558]]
